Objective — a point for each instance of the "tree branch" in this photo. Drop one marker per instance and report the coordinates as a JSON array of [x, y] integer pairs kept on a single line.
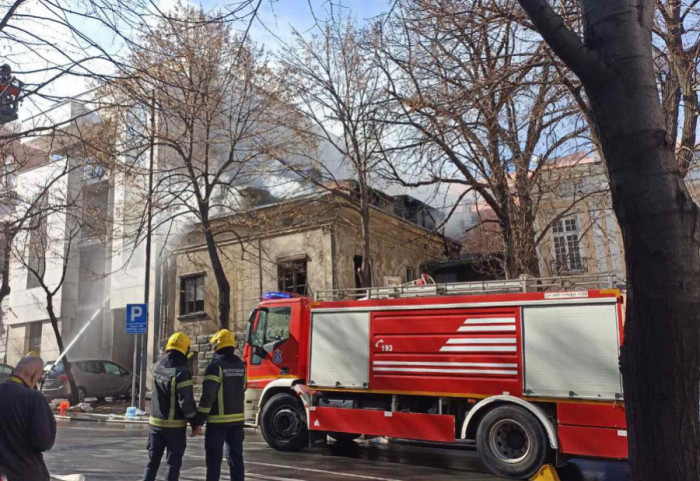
[[565, 43]]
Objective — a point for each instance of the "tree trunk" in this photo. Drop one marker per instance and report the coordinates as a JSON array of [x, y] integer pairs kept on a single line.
[[5, 286], [519, 250], [661, 232], [59, 340], [366, 268], [660, 227], [222, 283]]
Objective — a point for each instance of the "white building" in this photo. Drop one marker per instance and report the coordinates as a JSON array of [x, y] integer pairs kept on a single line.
[[97, 273]]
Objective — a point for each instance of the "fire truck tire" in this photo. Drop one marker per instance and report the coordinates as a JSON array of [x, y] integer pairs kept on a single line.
[[283, 423], [511, 442]]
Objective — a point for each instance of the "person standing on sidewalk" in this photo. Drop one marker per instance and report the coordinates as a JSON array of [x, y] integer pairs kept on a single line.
[[221, 405], [27, 425], [172, 405]]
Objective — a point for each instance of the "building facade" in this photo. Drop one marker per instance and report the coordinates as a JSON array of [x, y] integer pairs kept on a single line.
[[300, 246], [76, 246]]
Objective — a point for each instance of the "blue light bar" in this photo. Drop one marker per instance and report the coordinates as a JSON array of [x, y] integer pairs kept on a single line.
[[275, 295]]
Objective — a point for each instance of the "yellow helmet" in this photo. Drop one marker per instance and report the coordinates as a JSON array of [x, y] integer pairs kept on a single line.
[[179, 342], [223, 338]]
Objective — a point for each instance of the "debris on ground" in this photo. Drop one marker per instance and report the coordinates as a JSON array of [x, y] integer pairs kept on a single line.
[[108, 406]]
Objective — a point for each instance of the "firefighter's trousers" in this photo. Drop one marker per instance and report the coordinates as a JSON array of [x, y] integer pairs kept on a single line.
[[160, 439], [214, 440]]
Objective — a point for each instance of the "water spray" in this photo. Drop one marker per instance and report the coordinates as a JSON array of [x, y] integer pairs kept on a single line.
[[80, 333]]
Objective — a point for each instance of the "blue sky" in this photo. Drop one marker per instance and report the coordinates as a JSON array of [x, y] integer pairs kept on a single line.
[[274, 24], [278, 17]]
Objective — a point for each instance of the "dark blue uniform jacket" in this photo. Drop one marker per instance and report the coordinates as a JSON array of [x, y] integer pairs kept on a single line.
[[27, 428]]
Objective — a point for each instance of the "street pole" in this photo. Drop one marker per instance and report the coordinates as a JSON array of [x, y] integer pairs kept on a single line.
[[134, 371], [147, 286]]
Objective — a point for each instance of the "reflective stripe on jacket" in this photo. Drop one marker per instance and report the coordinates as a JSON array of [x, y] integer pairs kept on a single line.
[[172, 403], [223, 390]]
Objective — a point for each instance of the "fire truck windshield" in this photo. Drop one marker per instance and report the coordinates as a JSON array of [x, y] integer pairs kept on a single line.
[[272, 326]]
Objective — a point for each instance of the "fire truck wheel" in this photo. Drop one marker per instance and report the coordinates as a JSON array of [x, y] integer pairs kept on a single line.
[[283, 423], [511, 442]]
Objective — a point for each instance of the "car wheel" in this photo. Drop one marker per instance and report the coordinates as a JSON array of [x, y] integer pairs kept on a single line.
[[511, 442], [82, 394], [127, 396], [283, 423]]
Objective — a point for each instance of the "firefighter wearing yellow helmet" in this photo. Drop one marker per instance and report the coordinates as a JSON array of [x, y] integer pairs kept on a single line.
[[221, 406], [172, 407]]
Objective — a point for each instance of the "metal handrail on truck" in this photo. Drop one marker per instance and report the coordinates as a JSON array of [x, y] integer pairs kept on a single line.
[[522, 284]]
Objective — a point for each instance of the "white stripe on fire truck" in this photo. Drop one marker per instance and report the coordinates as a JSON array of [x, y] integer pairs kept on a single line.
[[447, 371], [485, 328], [478, 348], [481, 340], [491, 320], [445, 364]]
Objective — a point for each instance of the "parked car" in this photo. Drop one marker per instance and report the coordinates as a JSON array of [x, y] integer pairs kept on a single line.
[[94, 378], [5, 371]]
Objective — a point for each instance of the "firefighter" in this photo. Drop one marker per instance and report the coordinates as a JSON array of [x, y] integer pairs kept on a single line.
[[172, 405], [221, 405], [6, 83], [10, 90], [27, 425]]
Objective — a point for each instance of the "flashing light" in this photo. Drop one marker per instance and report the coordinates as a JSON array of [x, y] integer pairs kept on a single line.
[[275, 295]]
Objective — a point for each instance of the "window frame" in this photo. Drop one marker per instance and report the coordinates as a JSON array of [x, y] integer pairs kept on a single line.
[[412, 271], [110, 363], [33, 337], [567, 245], [191, 308], [258, 327], [82, 366], [291, 266]]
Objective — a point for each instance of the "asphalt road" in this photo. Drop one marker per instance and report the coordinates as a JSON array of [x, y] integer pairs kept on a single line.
[[104, 451]]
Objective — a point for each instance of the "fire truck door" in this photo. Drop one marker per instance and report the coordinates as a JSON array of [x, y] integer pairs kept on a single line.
[[273, 351]]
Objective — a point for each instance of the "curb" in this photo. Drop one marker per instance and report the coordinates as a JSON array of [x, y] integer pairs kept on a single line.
[[100, 418]]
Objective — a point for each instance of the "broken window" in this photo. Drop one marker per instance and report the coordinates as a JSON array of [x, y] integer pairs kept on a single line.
[[192, 294], [291, 276]]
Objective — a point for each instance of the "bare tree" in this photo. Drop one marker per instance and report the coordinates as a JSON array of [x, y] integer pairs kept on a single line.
[[480, 105], [207, 114], [676, 51], [18, 212], [342, 95], [659, 220], [46, 226]]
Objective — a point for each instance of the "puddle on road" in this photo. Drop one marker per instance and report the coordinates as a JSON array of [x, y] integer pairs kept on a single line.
[[466, 459]]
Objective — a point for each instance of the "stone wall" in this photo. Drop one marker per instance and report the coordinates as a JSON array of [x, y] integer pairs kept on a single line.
[[328, 245]]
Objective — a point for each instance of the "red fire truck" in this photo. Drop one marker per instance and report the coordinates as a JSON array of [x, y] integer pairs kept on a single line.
[[527, 376]]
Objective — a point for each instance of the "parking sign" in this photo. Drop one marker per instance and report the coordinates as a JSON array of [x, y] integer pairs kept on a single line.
[[136, 318]]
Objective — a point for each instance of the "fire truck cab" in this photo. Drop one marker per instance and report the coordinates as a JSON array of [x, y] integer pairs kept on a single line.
[[527, 376]]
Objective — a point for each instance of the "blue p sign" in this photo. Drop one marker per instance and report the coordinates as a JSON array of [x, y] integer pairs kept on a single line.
[[136, 318]]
